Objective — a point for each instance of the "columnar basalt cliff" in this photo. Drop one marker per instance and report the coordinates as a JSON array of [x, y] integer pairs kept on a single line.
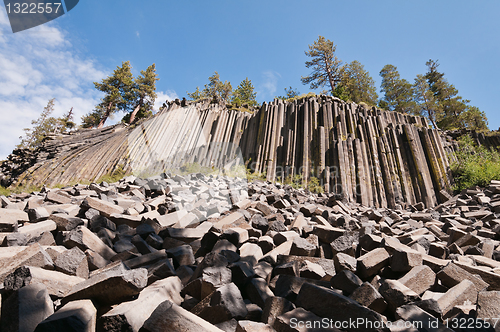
[[366, 155]]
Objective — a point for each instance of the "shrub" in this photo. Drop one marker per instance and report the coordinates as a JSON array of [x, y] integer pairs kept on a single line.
[[4, 191], [314, 186], [474, 165]]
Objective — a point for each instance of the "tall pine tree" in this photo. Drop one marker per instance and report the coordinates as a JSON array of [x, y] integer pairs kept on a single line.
[[118, 95], [356, 84], [326, 67], [398, 92], [244, 94], [143, 94]]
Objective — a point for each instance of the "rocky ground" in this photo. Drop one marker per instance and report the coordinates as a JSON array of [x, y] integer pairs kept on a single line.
[[207, 253]]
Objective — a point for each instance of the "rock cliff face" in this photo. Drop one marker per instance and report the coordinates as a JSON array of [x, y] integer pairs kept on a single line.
[[373, 157]]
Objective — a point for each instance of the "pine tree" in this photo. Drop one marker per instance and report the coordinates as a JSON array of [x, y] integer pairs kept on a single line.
[[398, 92], [244, 94], [44, 126], [216, 91], [326, 66], [289, 93], [426, 101], [356, 84], [196, 95], [474, 119], [143, 94], [452, 111], [118, 89]]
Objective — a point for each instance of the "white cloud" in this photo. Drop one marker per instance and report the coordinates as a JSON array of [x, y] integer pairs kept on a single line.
[[35, 66], [267, 89], [162, 97]]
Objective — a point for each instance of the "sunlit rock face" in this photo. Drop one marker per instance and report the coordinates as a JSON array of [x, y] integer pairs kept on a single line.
[[364, 155]]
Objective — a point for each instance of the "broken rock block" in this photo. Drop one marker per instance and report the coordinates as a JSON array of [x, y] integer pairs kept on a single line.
[[419, 279], [405, 260], [222, 305], [457, 295], [368, 296], [130, 316], [258, 291], [302, 247], [396, 294], [110, 286], [84, 239], [275, 306], [213, 278], [9, 219], [452, 274], [370, 263], [105, 208], [170, 317], [33, 255], [65, 222], [76, 316], [26, 308], [58, 284], [327, 303], [346, 281], [415, 316], [488, 306], [73, 262]]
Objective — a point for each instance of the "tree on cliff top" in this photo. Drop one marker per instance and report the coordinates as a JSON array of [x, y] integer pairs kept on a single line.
[[124, 93], [118, 90], [325, 64], [244, 94], [356, 84], [398, 92], [143, 94], [452, 111], [216, 91], [44, 126]]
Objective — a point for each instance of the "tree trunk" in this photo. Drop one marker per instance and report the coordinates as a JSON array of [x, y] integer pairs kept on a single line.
[[133, 114], [329, 74], [106, 115]]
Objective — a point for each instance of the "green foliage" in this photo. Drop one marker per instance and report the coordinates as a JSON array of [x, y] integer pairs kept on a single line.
[[190, 168], [44, 126], [290, 93], [4, 191], [294, 181], [143, 95], [426, 101], [216, 91], [398, 92], [244, 94], [124, 93], [314, 186], [118, 89], [118, 174], [450, 110], [356, 85], [325, 64], [475, 165], [251, 176], [196, 95], [92, 119], [474, 119]]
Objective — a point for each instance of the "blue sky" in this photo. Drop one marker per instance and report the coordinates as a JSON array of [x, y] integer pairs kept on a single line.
[[262, 40]]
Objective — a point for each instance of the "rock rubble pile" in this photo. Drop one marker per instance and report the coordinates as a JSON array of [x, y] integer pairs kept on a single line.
[[212, 253]]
